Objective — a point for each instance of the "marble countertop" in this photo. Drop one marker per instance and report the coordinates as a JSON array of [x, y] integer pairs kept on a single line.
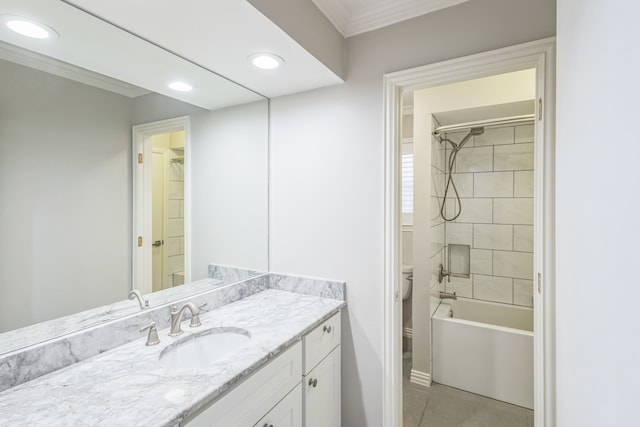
[[128, 386]]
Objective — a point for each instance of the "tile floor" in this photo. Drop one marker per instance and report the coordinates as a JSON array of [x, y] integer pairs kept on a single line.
[[442, 406]]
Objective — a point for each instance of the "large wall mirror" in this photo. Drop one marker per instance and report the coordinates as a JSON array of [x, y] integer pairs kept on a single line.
[[72, 109]]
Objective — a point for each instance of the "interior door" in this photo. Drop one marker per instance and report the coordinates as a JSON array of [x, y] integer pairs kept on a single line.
[[159, 166]]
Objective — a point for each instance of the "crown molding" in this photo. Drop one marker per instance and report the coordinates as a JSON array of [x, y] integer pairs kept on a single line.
[[353, 21], [62, 69]]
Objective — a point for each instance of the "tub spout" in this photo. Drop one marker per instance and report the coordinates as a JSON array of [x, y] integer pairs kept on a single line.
[[448, 295]]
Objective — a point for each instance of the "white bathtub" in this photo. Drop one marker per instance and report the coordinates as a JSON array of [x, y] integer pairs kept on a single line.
[[485, 348]]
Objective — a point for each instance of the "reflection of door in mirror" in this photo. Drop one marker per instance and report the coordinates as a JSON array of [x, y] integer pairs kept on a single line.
[[159, 201], [167, 216]]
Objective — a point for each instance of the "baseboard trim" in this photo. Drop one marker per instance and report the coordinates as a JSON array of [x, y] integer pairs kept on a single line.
[[407, 333], [420, 378]]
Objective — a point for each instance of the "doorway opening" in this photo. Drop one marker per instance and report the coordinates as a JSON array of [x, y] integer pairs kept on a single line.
[[161, 205], [435, 122]]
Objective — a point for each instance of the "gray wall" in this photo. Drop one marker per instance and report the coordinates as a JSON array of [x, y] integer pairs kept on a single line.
[[597, 205], [66, 189], [229, 181], [65, 184], [327, 170]]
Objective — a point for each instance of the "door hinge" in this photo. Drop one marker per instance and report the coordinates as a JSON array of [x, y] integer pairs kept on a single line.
[[139, 241], [539, 283], [140, 158], [540, 109]]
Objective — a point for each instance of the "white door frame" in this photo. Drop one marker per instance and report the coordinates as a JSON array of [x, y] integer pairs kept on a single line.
[[142, 258], [541, 56]]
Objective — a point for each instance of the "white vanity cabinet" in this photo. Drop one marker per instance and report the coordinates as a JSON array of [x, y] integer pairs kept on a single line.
[[322, 375], [287, 413], [299, 388], [245, 405]]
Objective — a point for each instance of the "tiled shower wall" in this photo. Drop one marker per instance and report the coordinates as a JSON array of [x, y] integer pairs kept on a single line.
[[175, 243], [494, 177], [437, 223]]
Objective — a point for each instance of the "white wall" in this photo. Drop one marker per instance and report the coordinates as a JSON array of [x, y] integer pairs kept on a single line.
[[65, 189], [597, 205], [326, 170]]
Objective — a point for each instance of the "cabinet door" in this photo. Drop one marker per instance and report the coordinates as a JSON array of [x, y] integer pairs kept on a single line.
[[322, 393], [287, 413]]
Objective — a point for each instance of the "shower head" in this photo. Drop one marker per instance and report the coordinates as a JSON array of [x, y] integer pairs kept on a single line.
[[472, 132]]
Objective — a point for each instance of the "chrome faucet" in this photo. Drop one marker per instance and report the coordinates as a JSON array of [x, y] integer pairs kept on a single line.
[[144, 304], [447, 295], [176, 316]]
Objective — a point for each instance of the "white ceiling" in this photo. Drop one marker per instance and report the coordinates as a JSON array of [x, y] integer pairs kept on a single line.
[[205, 36], [190, 40], [219, 35], [352, 17]]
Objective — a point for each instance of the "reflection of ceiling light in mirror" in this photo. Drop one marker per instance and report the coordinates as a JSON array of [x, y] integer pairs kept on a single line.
[[28, 28], [266, 61], [180, 86]]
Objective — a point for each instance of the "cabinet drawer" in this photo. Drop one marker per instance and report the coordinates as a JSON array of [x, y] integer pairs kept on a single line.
[[319, 342], [256, 395], [287, 413]]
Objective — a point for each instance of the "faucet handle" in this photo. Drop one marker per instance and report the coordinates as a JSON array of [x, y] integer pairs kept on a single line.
[[195, 317], [152, 337]]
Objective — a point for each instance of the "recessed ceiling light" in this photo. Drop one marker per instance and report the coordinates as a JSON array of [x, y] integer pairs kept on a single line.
[[29, 28], [180, 86], [266, 61]]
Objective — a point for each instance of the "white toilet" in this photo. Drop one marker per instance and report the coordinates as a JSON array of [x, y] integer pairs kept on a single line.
[[407, 280]]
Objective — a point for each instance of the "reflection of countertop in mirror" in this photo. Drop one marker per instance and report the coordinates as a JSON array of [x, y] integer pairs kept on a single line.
[[30, 335], [129, 386]]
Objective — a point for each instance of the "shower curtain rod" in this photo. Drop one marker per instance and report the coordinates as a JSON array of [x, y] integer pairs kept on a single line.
[[489, 122]]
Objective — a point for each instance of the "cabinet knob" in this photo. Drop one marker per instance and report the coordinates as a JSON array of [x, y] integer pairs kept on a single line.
[[313, 382], [327, 329], [267, 425]]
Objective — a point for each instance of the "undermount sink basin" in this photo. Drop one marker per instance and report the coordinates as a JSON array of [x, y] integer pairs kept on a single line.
[[202, 349]]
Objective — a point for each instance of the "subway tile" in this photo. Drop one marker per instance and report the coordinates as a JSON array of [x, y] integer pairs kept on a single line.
[[523, 292], [491, 236], [495, 136], [479, 211], [436, 260], [437, 182], [524, 134], [438, 157], [513, 211], [173, 246], [464, 184], [461, 234], [181, 208], [181, 245], [493, 184], [176, 190], [523, 184], [513, 264], [481, 261], [437, 238], [176, 263], [176, 171], [513, 157], [491, 288], [176, 227], [462, 286], [436, 218], [523, 238], [474, 160], [173, 209]]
